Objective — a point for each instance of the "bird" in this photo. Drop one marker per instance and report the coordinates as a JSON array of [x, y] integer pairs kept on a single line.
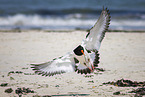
[[84, 58]]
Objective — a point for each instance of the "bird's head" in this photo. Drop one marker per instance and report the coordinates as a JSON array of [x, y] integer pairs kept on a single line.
[[83, 57]]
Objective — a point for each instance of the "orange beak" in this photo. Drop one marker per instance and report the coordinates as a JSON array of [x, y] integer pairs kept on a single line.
[[83, 52]]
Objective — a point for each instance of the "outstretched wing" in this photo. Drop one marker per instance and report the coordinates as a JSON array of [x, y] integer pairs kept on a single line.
[[57, 66], [95, 36]]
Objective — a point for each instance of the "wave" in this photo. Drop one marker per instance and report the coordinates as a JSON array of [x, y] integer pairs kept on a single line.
[[128, 24], [21, 19], [71, 21]]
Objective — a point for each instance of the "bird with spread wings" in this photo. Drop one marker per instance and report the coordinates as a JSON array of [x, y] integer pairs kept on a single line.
[[84, 58]]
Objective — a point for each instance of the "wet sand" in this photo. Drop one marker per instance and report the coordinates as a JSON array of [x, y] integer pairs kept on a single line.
[[122, 55]]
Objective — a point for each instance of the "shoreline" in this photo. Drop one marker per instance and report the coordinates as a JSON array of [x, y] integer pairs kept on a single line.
[[17, 30]]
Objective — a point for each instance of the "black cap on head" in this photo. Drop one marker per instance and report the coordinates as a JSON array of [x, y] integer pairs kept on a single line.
[[77, 50]]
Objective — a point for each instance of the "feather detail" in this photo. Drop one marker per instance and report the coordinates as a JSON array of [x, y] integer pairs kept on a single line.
[[56, 66], [97, 32]]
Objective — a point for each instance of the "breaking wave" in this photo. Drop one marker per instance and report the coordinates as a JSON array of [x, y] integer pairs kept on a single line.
[[70, 21]]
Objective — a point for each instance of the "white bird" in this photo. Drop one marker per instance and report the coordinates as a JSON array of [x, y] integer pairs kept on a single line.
[[84, 58]]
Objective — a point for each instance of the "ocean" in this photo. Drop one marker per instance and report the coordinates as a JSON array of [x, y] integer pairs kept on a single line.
[[70, 14]]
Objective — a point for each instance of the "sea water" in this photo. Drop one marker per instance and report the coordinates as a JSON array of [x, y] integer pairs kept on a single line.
[[70, 14]]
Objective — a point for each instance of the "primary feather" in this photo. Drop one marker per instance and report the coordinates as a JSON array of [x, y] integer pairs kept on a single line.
[[97, 32], [59, 65]]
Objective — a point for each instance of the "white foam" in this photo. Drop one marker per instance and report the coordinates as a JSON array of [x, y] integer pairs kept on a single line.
[[72, 20], [37, 20], [131, 24]]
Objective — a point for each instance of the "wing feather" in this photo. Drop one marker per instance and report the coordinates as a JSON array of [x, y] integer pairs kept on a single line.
[[57, 66], [97, 32]]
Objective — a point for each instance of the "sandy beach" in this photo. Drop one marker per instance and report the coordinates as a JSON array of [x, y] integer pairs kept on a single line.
[[122, 55]]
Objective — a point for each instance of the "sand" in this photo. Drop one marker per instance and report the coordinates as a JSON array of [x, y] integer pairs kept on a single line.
[[122, 55]]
